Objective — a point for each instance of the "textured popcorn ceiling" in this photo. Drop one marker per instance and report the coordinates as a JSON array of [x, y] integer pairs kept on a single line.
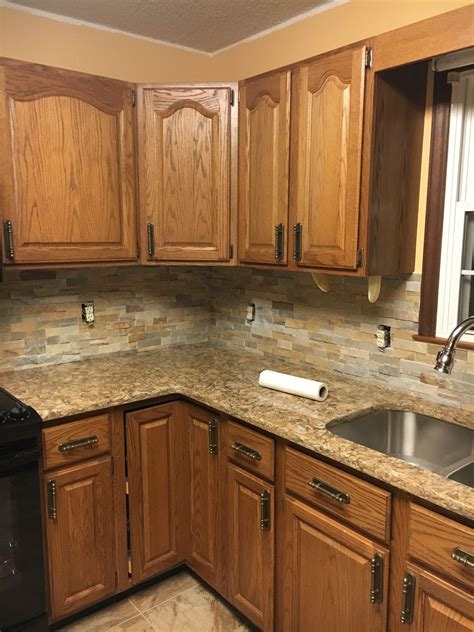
[[205, 25]]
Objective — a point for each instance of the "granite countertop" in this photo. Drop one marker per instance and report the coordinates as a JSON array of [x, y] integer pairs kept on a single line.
[[227, 379]]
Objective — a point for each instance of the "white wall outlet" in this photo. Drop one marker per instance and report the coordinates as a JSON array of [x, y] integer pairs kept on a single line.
[[250, 312], [383, 337], [88, 312]]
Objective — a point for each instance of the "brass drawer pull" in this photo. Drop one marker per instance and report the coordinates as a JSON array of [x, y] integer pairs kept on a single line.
[[330, 491], [150, 239], [463, 557], [52, 508], [8, 236], [408, 599], [265, 511], [250, 453], [279, 234], [78, 443]]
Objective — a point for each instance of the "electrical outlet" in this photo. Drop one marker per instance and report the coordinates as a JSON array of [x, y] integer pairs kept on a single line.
[[384, 337], [88, 312], [250, 312]]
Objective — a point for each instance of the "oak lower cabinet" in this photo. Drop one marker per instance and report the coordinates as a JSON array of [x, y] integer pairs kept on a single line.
[[80, 531], [186, 169], [67, 176], [204, 548], [250, 510], [156, 489], [333, 578]]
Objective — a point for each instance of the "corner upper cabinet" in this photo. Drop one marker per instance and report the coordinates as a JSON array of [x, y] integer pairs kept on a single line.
[[264, 145], [67, 171], [186, 172], [327, 120]]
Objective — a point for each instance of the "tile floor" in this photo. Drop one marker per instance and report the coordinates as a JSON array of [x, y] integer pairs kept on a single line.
[[177, 604]]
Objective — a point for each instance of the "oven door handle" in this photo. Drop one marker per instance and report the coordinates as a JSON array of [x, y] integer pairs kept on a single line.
[[22, 457]]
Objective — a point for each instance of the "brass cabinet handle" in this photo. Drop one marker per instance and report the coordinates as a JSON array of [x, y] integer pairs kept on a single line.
[[463, 557], [8, 236], [150, 238], [297, 242], [52, 508], [279, 234], [243, 449], [78, 443], [330, 491], [265, 510], [212, 434], [408, 598], [376, 579]]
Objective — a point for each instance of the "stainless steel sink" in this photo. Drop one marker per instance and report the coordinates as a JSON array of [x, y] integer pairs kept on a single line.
[[434, 444]]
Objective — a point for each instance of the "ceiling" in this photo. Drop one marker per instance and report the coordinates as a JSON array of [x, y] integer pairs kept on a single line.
[[205, 25]]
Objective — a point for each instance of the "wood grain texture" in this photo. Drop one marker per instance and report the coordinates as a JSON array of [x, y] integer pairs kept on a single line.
[[204, 555], [327, 121], [439, 606], [264, 139], [155, 493], [327, 576], [53, 437], [433, 539], [250, 549], [256, 441], [185, 172], [369, 507], [397, 143], [81, 539], [68, 174]]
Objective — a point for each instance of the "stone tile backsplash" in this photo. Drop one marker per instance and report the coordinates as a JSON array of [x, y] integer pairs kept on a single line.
[[141, 309]]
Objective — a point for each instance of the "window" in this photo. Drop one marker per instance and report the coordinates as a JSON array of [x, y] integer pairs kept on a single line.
[[456, 278]]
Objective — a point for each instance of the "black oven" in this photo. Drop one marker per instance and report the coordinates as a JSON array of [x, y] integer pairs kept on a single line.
[[22, 592]]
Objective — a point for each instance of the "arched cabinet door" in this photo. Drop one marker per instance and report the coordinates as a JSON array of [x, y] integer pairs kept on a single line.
[[185, 172], [264, 149], [326, 154], [67, 177]]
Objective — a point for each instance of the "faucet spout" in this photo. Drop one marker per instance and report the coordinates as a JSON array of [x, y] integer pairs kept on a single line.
[[445, 358]]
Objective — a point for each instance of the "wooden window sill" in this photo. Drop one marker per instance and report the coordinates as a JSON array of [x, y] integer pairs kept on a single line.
[[433, 340]]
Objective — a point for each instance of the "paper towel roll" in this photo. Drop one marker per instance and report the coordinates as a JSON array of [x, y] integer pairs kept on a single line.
[[293, 385]]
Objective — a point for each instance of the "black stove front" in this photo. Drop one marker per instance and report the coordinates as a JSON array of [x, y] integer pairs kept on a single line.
[[22, 592]]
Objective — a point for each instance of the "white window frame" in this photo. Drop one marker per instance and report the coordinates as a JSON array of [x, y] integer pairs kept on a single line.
[[459, 200]]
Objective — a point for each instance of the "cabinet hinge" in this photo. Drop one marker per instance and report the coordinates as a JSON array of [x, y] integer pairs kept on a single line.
[[8, 238], [376, 572], [360, 257], [369, 57], [231, 251], [134, 98], [212, 437], [232, 97]]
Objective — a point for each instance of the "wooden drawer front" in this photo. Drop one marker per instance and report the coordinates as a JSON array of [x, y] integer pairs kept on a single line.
[[251, 450], [433, 540], [76, 441], [361, 504]]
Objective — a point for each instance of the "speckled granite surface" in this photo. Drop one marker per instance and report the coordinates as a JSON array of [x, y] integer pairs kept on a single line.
[[227, 380]]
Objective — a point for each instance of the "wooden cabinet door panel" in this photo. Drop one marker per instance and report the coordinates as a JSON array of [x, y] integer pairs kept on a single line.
[[250, 547], [327, 575], [67, 182], [327, 133], [185, 172], [264, 138], [81, 537], [439, 606], [155, 492], [204, 553]]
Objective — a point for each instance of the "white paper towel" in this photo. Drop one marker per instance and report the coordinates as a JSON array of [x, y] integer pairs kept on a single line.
[[293, 385]]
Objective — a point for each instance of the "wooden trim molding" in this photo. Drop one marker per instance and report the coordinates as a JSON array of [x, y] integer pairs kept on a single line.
[[434, 340], [435, 205]]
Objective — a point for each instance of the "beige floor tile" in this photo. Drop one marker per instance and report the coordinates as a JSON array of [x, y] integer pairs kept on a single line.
[[104, 619], [164, 590], [135, 624], [196, 610]]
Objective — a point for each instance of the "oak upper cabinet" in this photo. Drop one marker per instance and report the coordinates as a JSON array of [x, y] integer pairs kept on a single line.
[[80, 535], [250, 508], [185, 175], [264, 145], [67, 173], [327, 117], [333, 578], [156, 486], [204, 553]]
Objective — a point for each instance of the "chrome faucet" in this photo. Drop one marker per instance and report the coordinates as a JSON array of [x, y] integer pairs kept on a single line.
[[445, 357]]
